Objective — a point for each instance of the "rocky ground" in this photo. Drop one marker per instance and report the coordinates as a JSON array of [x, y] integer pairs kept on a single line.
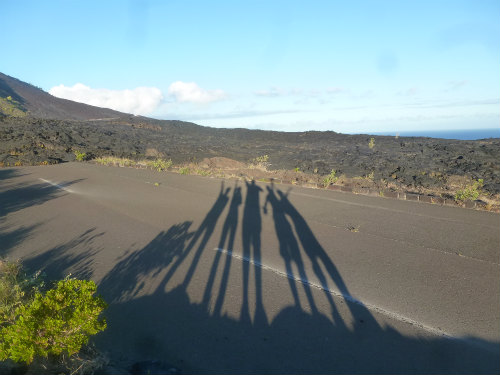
[[424, 165]]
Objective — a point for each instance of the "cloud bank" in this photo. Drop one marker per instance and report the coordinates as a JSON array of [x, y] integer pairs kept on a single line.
[[190, 92], [139, 101]]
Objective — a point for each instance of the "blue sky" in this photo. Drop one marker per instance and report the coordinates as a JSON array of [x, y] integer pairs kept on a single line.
[[347, 66]]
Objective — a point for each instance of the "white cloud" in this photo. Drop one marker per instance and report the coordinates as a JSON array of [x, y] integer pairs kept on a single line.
[[139, 101], [192, 93]]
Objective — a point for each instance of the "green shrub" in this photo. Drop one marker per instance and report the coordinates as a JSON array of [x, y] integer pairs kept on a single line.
[[260, 162], [202, 172], [80, 156], [184, 170], [160, 164], [371, 144], [57, 322], [16, 288], [470, 192], [331, 178]]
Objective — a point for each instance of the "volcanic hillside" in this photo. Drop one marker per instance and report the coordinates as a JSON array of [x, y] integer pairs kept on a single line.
[[37, 128], [32, 101]]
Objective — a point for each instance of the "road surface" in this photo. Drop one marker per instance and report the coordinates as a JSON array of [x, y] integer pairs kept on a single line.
[[233, 277]]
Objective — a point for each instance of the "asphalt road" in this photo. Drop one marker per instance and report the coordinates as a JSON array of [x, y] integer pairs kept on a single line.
[[218, 276]]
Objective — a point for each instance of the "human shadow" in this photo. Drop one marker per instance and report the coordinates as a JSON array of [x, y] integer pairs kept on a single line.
[[289, 249], [251, 241], [320, 260], [205, 231], [153, 316], [164, 254], [127, 278], [226, 242]]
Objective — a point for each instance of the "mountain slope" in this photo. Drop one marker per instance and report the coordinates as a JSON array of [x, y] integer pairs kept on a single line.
[[48, 134], [17, 96]]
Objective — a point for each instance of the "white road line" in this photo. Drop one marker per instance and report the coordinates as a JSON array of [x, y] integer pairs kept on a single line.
[[349, 298], [57, 185]]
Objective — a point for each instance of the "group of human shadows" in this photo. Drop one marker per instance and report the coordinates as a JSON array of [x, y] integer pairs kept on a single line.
[[355, 340], [297, 243]]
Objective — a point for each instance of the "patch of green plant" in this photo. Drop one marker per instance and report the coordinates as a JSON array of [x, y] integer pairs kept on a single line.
[[184, 170], [296, 169], [470, 192], [202, 172], [371, 144], [55, 323], [80, 156], [124, 162], [16, 288], [261, 159], [11, 107], [160, 164], [331, 178]]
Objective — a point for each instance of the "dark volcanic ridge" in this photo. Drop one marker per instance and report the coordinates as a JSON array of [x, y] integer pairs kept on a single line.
[[412, 162], [37, 103], [47, 132]]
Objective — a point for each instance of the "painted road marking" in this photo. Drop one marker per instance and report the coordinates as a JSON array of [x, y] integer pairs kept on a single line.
[[62, 187], [349, 298]]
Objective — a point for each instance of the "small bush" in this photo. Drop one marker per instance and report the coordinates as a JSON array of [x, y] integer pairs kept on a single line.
[[16, 288], [57, 322], [184, 170], [80, 156], [470, 192], [202, 172], [260, 162], [371, 144], [331, 178], [160, 164]]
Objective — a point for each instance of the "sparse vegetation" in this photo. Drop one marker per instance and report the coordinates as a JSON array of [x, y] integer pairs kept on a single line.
[[371, 144], [184, 170], [11, 107], [160, 164], [260, 162], [114, 161], [80, 156], [157, 164], [331, 178], [202, 172], [469, 192]]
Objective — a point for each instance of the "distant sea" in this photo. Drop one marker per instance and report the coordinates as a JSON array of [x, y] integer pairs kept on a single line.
[[463, 134]]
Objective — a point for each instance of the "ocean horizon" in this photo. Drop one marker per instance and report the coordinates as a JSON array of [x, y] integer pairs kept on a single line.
[[460, 134]]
